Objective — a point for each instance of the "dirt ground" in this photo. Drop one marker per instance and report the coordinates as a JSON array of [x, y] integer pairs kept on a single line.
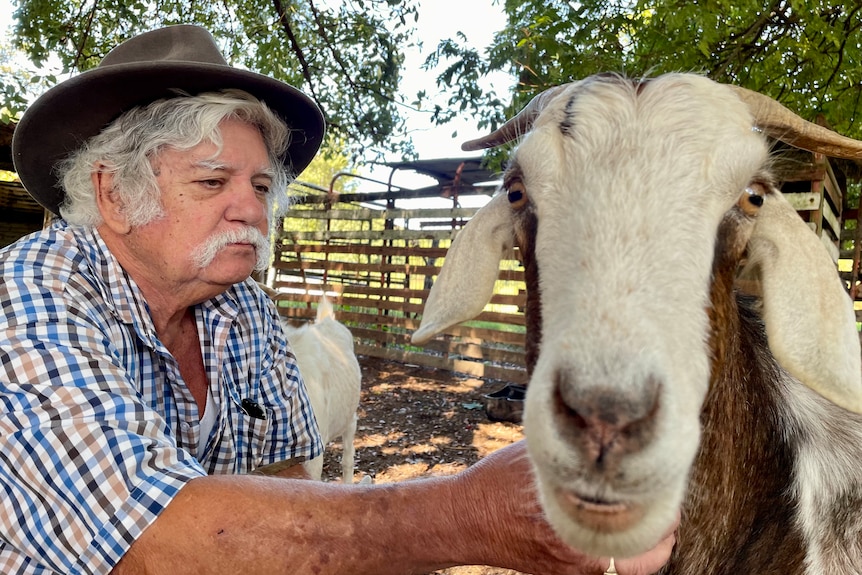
[[416, 421]]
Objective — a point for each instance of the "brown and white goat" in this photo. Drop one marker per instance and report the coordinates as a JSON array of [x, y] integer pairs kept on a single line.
[[655, 387]]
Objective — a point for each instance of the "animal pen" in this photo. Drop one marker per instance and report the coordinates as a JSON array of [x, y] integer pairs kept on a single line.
[[376, 257]]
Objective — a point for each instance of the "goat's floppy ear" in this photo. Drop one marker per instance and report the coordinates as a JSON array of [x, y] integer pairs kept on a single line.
[[466, 281], [810, 322]]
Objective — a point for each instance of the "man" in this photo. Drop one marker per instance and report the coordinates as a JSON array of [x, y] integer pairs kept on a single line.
[[153, 414]]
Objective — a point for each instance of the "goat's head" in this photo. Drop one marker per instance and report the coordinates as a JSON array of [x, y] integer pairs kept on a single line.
[[621, 197]]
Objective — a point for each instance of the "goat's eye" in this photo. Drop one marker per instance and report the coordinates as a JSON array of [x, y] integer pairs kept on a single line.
[[751, 199], [517, 194]]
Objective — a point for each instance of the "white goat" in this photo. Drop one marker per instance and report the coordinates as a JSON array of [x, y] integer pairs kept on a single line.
[[333, 378], [655, 388]]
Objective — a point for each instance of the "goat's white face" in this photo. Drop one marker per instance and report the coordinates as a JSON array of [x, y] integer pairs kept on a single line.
[[615, 197], [628, 194]]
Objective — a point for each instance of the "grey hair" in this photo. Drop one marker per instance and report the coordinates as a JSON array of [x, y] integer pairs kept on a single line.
[[128, 145]]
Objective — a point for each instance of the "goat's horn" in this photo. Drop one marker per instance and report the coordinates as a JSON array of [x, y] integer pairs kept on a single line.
[[777, 121], [516, 126]]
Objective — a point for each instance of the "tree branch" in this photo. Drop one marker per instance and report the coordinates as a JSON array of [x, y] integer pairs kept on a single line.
[[294, 46], [79, 49], [336, 56], [356, 87], [849, 32], [741, 50]]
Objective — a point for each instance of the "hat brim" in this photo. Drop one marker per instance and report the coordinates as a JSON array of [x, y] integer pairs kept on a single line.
[[71, 112]]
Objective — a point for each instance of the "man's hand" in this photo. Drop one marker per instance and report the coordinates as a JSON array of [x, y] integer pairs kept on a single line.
[[502, 491]]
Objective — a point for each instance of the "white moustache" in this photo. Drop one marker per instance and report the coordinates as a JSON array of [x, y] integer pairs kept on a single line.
[[204, 254]]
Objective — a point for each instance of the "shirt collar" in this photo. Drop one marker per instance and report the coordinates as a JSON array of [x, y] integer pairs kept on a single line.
[[119, 292]]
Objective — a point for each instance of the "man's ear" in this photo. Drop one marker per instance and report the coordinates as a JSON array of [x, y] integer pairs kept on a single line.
[[109, 203]]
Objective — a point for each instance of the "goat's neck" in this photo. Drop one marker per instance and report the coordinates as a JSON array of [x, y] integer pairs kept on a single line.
[[739, 513], [738, 516]]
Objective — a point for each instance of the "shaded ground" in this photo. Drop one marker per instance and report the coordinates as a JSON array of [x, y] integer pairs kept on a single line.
[[416, 421]]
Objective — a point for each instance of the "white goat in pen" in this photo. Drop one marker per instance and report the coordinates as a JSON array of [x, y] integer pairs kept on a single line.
[[655, 387], [333, 378]]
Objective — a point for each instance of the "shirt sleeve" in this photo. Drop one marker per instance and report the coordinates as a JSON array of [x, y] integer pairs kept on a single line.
[[85, 466]]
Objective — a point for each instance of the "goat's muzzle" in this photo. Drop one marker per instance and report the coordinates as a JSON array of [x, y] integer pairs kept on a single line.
[[604, 424]]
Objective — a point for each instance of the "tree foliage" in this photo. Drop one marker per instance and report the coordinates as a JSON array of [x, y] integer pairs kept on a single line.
[[347, 55], [18, 84], [322, 171], [318, 178], [805, 53]]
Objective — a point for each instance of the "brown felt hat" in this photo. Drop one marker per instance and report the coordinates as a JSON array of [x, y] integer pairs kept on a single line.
[[139, 71]]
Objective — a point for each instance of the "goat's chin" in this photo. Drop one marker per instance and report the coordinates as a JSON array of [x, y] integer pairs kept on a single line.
[[620, 510], [620, 529]]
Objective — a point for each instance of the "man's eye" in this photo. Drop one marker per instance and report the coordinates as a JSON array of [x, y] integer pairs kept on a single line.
[[262, 188], [211, 183]]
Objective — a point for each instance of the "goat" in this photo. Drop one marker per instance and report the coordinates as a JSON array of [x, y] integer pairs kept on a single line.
[[326, 359], [656, 387]]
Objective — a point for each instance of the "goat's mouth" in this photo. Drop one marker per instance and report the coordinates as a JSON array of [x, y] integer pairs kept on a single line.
[[603, 516]]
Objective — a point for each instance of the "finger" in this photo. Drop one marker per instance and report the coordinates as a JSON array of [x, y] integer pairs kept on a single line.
[[649, 562]]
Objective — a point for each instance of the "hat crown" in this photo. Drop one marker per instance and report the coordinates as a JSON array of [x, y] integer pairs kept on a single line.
[[181, 43]]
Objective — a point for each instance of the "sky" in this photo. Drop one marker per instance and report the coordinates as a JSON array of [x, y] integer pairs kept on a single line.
[[439, 20]]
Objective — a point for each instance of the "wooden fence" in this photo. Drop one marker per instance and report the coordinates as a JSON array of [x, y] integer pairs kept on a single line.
[[377, 265]]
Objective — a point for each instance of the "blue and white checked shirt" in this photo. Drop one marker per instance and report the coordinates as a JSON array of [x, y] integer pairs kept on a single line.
[[97, 428]]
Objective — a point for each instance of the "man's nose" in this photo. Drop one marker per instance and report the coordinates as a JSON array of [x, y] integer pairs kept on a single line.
[[248, 205]]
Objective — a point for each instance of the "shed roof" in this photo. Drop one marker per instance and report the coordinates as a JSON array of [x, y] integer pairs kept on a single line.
[[467, 171]]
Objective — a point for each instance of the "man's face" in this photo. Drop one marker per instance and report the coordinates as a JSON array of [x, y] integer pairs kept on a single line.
[[216, 215]]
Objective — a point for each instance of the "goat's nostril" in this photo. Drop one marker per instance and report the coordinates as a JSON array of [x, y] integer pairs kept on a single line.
[[604, 422]]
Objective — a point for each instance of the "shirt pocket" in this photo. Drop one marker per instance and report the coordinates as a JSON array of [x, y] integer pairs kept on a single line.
[[250, 422]]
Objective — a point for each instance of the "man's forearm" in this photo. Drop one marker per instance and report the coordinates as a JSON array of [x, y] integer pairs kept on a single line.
[[486, 515], [233, 524]]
